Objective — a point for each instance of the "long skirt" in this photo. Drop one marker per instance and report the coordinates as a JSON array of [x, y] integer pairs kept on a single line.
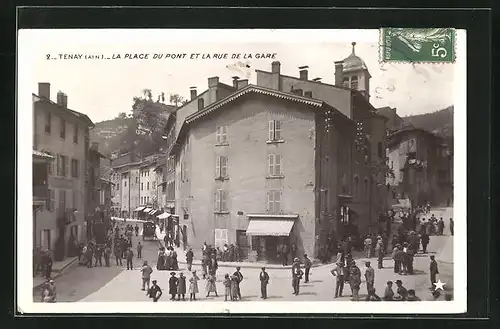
[[160, 265], [210, 287]]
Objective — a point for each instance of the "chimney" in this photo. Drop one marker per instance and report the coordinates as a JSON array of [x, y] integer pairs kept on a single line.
[[275, 67], [44, 89], [275, 75], [303, 72], [62, 99], [339, 78], [213, 85], [317, 80], [242, 83], [193, 92], [235, 82]]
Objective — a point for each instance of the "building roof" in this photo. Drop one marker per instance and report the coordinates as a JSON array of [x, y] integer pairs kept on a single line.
[[77, 115], [353, 62], [106, 181], [43, 155]]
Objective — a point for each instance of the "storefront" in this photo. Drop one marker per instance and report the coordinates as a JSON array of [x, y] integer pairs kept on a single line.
[[268, 234], [137, 211]]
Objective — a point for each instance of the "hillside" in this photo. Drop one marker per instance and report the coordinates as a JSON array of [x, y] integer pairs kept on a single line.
[[109, 134], [440, 122]]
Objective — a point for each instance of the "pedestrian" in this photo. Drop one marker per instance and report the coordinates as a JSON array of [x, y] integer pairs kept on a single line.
[[146, 274], [49, 292], [227, 287], [264, 281], [160, 264], [440, 225], [239, 277], [401, 290], [212, 265], [372, 296], [172, 285], [296, 276], [339, 273], [98, 255], [369, 276], [137, 230], [139, 249], [368, 246], [130, 256], [118, 256], [379, 252], [189, 259], [452, 226], [389, 293], [433, 269], [155, 291], [204, 265], [412, 297], [210, 285], [193, 286], [234, 287], [409, 259], [354, 280], [424, 238], [107, 255], [89, 255], [284, 254], [293, 250], [181, 287], [48, 265], [307, 267], [168, 258]]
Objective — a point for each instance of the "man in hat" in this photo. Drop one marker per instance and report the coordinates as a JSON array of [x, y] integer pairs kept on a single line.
[[172, 285], [154, 292], [146, 274], [239, 278], [264, 280], [401, 290], [355, 280], [369, 276], [424, 238], [296, 276], [189, 258], [433, 269], [307, 267], [339, 273], [379, 252]]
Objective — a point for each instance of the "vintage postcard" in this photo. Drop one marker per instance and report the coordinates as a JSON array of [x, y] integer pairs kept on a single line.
[[242, 171]]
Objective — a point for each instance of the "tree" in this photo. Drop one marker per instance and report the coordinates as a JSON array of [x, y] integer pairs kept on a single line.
[[122, 116], [176, 99]]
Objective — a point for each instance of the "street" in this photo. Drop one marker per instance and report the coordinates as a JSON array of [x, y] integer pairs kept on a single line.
[[101, 284]]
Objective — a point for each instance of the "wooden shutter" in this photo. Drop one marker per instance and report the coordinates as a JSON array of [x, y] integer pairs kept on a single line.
[[277, 130], [224, 134], [58, 165], [218, 166], [66, 165], [218, 135], [271, 130], [223, 166], [224, 237], [217, 201], [277, 200], [223, 200], [277, 165], [270, 159], [270, 203]]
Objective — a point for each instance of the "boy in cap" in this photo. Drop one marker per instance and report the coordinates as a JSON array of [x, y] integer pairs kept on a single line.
[[264, 280], [239, 277], [307, 267], [389, 293]]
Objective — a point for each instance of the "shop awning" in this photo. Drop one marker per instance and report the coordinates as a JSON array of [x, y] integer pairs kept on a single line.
[[139, 208], [147, 210], [163, 215], [154, 212], [270, 226]]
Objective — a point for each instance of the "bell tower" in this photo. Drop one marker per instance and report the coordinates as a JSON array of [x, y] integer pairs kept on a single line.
[[355, 73]]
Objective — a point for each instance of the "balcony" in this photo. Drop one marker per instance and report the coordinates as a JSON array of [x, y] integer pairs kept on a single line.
[[40, 193]]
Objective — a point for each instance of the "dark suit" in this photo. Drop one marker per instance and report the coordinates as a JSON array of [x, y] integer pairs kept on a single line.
[[264, 280]]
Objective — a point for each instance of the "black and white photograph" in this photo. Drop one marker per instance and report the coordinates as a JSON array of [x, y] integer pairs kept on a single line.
[[261, 171]]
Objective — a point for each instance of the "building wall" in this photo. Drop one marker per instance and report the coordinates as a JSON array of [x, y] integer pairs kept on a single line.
[[73, 187], [248, 120], [125, 194], [148, 193], [133, 188]]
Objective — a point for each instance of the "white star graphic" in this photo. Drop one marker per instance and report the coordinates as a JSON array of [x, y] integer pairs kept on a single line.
[[439, 285]]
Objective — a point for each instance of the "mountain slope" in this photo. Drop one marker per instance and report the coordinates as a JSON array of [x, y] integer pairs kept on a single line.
[[440, 122]]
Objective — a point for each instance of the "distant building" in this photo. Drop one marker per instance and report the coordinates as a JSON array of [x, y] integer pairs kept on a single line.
[[394, 121], [63, 134], [422, 163], [278, 162], [96, 214]]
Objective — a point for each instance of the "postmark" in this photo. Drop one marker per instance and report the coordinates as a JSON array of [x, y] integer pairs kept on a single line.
[[422, 45]]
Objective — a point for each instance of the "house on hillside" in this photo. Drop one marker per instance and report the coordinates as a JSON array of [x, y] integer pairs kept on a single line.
[[279, 162]]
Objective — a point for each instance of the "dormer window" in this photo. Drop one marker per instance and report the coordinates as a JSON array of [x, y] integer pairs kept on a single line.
[[354, 82], [345, 83]]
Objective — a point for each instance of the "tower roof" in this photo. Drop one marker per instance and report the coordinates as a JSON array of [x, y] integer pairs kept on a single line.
[[353, 62]]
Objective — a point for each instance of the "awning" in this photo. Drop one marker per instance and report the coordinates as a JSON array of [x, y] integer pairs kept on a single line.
[[147, 210], [139, 208], [154, 212], [270, 227], [163, 215]]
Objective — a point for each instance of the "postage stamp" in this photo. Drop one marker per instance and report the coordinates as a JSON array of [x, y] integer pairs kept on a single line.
[[262, 171], [424, 45]]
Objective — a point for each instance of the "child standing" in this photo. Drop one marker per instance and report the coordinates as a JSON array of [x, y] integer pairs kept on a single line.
[[227, 287], [193, 286], [211, 287], [234, 288]]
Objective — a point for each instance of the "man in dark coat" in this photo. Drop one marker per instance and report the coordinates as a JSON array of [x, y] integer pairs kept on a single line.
[[355, 280], [424, 238], [440, 226], [136, 230], [172, 285], [239, 277], [452, 226], [189, 259], [284, 254], [293, 250], [48, 265], [433, 269], [130, 256], [370, 277], [118, 255], [296, 276], [264, 281], [307, 267]]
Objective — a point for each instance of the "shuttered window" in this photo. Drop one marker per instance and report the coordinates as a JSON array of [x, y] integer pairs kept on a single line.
[[220, 201], [274, 201], [221, 237], [274, 130], [221, 167], [275, 164]]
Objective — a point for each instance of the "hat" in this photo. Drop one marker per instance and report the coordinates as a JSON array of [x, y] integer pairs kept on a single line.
[[305, 255], [296, 259], [367, 263], [51, 281], [399, 281], [411, 291], [154, 281], [397, 297], [238, 268], [263, 268], [194, 271], [172, 273]]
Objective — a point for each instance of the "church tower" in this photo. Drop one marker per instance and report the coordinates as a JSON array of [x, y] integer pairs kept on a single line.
[[355, 74]]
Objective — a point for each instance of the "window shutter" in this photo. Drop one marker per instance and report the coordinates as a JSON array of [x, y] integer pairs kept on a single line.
[[58, 165], [218, 167], [224, 237], [217, 201], [66, 172], [271, 130], [270, 201], [218, 135], [223, 197], [270, 160], [224, 134], [278, 198], [277, 164], [277, 130], [223, 166]]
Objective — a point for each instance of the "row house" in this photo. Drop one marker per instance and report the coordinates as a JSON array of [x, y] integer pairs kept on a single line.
[[96, 216], [278, 162], [63, 134]]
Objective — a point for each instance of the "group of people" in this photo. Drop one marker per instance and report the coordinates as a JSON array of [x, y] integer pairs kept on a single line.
[[167, 259], [42, 262]]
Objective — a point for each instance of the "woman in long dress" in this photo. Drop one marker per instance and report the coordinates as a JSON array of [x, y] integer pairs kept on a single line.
[[234, 288], [210, 286], [160, 265], [193, 286]]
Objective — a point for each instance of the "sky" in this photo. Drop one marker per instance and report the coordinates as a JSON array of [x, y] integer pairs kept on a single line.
[[101, 88]]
